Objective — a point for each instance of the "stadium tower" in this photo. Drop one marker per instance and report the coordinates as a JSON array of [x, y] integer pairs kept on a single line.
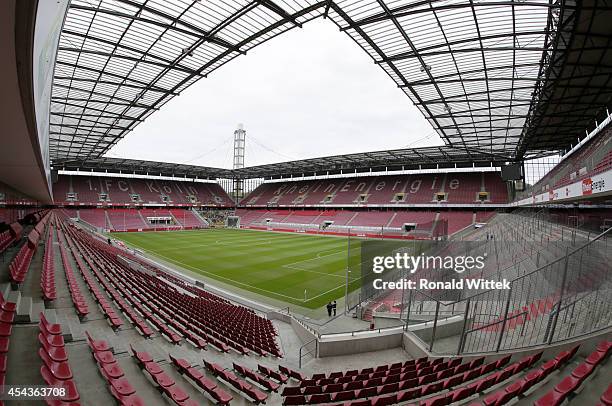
[[239, 150]]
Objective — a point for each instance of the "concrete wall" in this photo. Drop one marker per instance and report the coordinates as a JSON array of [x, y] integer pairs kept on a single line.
[[445, 328], [362, 342], [274, 315]]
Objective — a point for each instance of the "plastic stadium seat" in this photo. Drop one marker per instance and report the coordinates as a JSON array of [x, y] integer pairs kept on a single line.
[[292, 391], [104, 357], [441, 400], [122, 386], [294, 400], [606, 398], [60, 370], [6, 329], [72, 394], [319, 398], [462, 393], [221, 396], [50, 327], [97, 345], [57, 354], [111, 371], [163, 380]]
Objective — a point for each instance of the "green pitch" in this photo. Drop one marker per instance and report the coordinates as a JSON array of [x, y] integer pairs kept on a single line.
[[277, 265]]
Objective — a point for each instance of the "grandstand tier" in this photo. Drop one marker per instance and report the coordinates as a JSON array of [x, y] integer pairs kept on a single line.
[[97, 190], [474, 188]]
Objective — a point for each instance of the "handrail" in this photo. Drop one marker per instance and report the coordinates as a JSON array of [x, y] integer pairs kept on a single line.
[[316, 341]]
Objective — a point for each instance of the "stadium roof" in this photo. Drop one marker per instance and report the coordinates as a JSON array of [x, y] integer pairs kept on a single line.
[[139, 167], [510, 77], [391, 160]]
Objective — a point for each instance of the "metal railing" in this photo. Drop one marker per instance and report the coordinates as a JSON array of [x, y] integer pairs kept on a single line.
[[312, 351], [561, 300]]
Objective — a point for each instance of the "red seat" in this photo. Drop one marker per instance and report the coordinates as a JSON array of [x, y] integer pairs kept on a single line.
[[294, 400], [177, 394], [441, 400], [385, 400], [57, 354], [221, 396], [6, 329], [61, 370], [163, 380], [97, 345], [50, 327], [104, 357], [142, 356], [153, 368], [72, 394], [111, 371], [606, 398], [181, 363], [551, 398], [343, 396], [462, 393], [122, 387], [319, 398]]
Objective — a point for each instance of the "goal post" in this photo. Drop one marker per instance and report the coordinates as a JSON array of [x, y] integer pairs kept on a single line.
[[232, 222]]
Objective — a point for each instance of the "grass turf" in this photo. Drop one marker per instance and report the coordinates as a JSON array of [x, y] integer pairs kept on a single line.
[[277, 265]]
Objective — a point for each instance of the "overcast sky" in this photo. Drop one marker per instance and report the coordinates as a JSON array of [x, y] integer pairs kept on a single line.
[[309, 92]]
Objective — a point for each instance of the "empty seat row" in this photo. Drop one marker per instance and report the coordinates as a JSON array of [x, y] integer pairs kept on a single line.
[[164, 382], [119, 386], [218, 394], [381, 392], [570, 383], [270, 373], [6, 239], [254, 394], [47, 277], [21, 263], [107, 309], [404, 376], [55, 370], [256, 377], [298, 376], [109, 285], [7, 314], [78, 300]]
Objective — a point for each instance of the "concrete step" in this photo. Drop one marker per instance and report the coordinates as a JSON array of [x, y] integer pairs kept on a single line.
[[71, 327], [24, 310], [119, 345], [51, 316], [153, 350], [194, 358], [37, 308]]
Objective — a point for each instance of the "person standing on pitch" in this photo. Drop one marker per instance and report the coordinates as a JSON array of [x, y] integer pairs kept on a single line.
[[334, 307], [329, 309]]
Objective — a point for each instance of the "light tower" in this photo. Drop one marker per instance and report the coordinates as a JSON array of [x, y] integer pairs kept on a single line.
[[239, 144]]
